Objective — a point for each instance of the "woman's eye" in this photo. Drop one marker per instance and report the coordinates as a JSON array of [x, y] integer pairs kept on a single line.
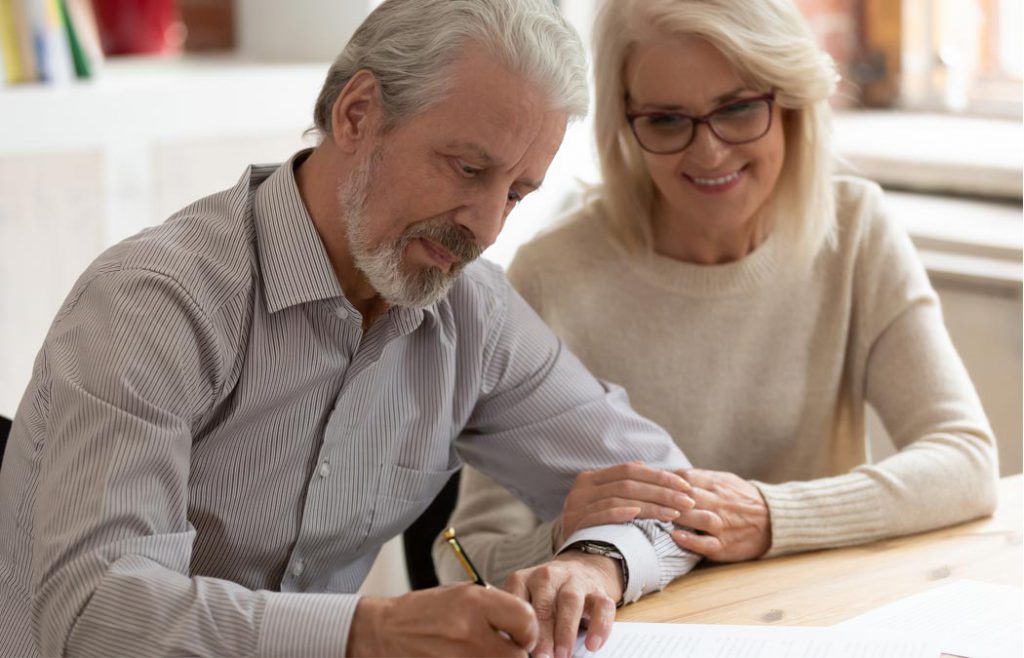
[[666, 120], [737, 108]]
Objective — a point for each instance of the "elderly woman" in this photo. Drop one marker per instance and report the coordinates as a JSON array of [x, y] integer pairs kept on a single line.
[[749, 300]]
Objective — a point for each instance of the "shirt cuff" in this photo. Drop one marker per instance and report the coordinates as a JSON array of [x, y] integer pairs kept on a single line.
[[637, 551], [306, 624]]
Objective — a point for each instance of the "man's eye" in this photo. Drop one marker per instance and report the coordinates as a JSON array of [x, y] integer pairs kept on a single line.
[[468, 170], [514, 197]]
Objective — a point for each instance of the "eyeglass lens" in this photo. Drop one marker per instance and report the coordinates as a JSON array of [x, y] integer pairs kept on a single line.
[[736, 123]]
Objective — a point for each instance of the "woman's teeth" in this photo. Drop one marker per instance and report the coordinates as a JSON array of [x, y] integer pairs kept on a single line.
[[722, 180]]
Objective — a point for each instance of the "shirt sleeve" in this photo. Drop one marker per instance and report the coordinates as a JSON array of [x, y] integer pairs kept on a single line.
[[542, 418], [946, 469], [129, 368]]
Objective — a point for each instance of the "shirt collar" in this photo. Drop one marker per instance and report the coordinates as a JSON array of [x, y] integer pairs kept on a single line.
[[293, 260], [295, 265]]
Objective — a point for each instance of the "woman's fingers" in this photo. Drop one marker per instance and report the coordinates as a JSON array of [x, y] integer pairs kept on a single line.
[[699, 477], [638, 493], [646, 510], [703, 520], [731, 520], [607, 517], [707, 545], [636, 471]]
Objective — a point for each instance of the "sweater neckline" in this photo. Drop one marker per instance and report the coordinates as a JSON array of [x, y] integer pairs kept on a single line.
[[745, 275]]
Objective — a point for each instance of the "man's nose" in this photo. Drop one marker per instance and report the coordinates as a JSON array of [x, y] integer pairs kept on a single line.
[[484, 216]]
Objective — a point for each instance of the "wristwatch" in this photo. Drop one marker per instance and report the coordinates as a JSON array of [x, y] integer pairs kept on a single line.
[[607, 550]]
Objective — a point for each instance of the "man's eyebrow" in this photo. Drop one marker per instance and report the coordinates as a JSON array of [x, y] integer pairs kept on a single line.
[[479, 152]]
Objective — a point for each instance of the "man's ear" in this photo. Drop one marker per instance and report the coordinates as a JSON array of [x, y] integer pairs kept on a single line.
[[357, 113]]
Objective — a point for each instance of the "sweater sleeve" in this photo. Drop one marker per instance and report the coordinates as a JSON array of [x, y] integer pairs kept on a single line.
[[523, 277], [499, 531], [945, 471]]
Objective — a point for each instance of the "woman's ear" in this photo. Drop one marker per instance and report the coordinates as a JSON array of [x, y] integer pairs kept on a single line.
[[357, 113]]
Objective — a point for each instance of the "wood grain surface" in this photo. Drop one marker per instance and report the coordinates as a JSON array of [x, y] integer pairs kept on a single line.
[[826, 587]]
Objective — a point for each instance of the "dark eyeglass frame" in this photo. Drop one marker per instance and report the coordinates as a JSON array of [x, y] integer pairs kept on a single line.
[[631, 118]]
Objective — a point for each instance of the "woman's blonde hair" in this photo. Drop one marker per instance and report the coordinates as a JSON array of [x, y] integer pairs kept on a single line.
[[772, 48]]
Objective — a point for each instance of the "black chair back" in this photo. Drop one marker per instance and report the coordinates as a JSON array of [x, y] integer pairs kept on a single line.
[[5, 429], [418, 539]]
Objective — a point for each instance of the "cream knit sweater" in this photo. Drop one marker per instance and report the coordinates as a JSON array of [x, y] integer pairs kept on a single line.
[[763, 368]]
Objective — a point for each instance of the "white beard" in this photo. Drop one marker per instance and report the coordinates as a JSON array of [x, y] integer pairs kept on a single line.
[[382, 264]]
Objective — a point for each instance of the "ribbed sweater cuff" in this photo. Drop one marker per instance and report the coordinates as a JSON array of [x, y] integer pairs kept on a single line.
[[823, 513]]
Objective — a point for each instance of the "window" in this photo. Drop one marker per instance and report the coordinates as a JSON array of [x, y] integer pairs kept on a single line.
[[962, 56]]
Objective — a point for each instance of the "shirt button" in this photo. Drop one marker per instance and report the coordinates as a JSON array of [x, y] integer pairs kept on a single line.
[[325, 470], [297, 568], [341, 312]]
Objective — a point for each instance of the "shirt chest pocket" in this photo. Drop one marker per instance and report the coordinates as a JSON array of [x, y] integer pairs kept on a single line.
[[402, 495]]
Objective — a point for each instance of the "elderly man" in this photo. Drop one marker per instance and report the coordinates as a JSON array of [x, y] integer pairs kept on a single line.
[[233, 411]]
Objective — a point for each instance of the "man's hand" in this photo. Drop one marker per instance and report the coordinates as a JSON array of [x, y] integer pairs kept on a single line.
[[619, 494], [455, 620], [571, 588], [730, 511]]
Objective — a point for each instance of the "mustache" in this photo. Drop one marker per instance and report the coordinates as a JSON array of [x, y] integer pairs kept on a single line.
[[453, 238]]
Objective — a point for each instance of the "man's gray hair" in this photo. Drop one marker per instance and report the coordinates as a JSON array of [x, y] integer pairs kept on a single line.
[[408, 45]]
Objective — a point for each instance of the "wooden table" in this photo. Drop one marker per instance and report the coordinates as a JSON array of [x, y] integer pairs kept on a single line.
[[826, 587]]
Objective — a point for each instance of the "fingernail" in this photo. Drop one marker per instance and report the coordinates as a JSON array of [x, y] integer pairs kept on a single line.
[[541, 655], [598, 643], [560, 652], [671, 514], [684, 501]]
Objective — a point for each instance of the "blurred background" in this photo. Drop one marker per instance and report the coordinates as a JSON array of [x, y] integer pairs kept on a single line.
[[116, 113]]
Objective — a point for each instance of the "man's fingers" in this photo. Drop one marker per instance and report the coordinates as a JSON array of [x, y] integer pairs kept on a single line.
[[542, 592], [601, 611], [499, 645], [707, 545], [515, 585], [511, 615], [568, 614]]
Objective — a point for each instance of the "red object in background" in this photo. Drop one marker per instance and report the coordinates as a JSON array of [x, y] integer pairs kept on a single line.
[[137, 27]]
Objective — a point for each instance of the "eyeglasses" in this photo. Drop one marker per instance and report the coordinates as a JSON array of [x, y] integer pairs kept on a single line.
[[738, 122]]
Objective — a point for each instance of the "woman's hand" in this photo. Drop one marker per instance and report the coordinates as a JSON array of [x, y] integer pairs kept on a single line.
[[730, 512], [619, 494]]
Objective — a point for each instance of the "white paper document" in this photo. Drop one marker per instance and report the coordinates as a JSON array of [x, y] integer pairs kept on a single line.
[[633, 640], [967, 618]]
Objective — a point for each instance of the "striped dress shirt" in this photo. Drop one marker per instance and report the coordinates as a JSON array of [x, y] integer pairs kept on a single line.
[[211, 451]]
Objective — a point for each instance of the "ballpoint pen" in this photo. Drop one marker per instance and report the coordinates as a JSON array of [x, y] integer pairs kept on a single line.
[[463, 557]]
